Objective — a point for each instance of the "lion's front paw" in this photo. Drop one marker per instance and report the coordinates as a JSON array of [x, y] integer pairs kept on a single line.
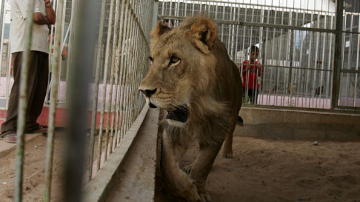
[[205, 197], [187, 169]]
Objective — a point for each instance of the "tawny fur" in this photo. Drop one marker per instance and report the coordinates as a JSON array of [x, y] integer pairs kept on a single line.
[[209, 84]]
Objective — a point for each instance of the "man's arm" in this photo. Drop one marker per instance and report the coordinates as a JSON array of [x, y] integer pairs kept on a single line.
[[49, 18]]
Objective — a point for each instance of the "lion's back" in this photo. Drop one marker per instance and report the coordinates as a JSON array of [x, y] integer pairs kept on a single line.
[[229, 87]]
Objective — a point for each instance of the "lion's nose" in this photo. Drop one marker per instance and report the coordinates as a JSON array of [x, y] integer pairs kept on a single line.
[[148, 92]]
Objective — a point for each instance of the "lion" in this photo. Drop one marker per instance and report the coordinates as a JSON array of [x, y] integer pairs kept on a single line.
[[193, 79]]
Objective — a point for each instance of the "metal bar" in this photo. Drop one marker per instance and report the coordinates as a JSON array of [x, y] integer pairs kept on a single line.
[[103, 94], [342, 58], [337, 53], [323, 63], [349, 55], [124, 73], [270, 7], [96, 89], [53, 98], [2, 9], [130, 58], [357, 64], [330, 59], [22, 108], [81, 60], [137, 22], [73, 7], [279, 60], [316, 62], [122, 44], [302, 83], [265, 59], [308, 72], [110, 106], [256, 24], [117, 75]]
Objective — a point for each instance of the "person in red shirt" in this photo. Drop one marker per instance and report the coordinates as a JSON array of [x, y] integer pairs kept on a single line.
[[251, 70]]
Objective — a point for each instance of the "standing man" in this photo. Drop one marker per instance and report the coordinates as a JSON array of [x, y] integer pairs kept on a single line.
[[43, 17]]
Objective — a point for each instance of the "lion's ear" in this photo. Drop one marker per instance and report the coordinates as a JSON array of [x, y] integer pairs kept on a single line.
[[203, 32], [160, 28]]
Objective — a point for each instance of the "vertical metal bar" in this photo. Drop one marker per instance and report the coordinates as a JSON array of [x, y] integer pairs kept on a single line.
[[291, 59], [125, 61], [300, 82], [245, 53], [236, 60], [316, 69], [330, 59], [130, 68], [308, 73], [324, 37], [85, 30], [22, 108], [73, 7], [122, 52], [343, 58], [118, 73], [124, 73], [103, 94], [53, 97], [2, 9], [357, 64], [279, 61], [349, 55], [265, 61], [109, 127], [272, 57], [337, 54], [96, 89]]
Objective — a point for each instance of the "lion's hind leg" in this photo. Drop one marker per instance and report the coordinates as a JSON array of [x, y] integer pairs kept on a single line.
[[227, 148]]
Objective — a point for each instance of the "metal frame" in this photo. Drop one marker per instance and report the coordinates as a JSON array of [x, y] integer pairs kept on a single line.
[[303, 67]]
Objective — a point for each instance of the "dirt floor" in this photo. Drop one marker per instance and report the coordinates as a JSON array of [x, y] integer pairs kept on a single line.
[[275, 171], [34, 170], [34, 175], [261, 170]]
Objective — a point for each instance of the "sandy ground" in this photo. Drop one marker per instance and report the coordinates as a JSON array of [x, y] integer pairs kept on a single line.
[[34, 170], [261, 170], [34, 174], [275, 171]]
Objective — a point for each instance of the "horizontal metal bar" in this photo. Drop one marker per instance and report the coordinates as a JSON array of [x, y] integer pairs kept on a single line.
[[229, 3], [345, 110], [348, 108], [353, 71], [255, 24], [294, 67]]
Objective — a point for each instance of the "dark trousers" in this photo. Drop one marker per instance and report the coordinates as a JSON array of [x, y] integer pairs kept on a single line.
[[253, 94], [37, 85]]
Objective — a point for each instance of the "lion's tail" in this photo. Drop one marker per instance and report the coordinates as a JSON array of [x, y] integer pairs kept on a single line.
[[240, 121]]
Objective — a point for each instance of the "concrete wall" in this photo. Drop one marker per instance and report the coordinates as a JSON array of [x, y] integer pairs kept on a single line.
[[296, 124]]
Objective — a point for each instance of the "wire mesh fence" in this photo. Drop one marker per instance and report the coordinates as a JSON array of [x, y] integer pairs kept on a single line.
[[296, 42]]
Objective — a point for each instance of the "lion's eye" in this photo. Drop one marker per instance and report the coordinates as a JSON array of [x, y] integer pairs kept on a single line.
[[173, 59]]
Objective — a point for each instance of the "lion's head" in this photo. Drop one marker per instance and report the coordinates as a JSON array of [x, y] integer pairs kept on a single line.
[[182, 63]]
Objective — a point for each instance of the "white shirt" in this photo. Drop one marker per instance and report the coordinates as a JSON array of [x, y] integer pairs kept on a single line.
[[40, 34]]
